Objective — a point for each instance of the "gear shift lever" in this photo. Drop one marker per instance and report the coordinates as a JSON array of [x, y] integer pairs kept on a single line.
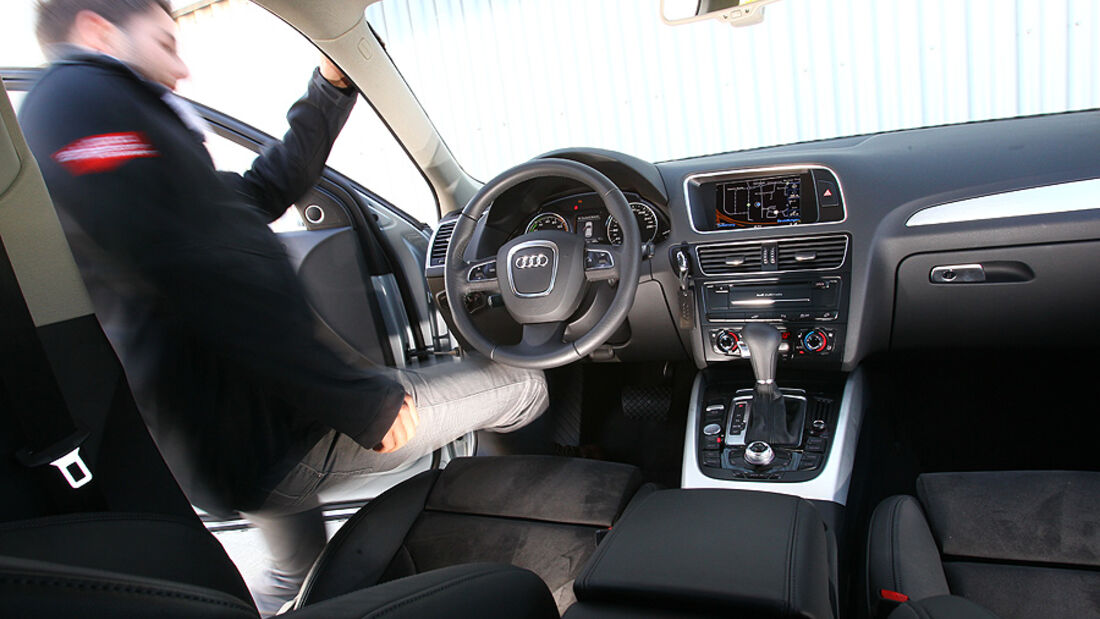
[[768, 418], [763, 344]]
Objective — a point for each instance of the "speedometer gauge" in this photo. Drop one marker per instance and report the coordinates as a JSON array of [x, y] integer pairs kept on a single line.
[[547, 221], [647, 224]]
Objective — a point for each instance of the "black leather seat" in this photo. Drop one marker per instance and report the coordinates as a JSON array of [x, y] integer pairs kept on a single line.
[[1022, 544], [419, 550], [541, 513]]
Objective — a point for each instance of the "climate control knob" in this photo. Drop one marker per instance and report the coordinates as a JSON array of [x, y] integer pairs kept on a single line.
[[726, 341], [815, 340]]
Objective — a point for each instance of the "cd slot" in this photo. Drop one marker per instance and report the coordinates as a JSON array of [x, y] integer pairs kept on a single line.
[[816, 299]]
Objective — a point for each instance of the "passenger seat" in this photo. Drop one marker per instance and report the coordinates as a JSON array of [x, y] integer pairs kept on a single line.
[[1023, 544]]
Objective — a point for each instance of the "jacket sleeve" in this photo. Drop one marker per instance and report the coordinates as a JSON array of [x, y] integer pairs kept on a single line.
[[286, 169], [157, 210]]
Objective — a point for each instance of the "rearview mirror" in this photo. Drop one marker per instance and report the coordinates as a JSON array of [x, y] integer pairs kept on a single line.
[[732, 12]]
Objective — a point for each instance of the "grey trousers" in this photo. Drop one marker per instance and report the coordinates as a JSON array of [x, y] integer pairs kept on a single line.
[[451, 399]]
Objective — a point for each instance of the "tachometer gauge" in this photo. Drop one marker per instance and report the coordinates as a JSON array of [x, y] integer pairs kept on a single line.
[[647, 224], [547, 221]]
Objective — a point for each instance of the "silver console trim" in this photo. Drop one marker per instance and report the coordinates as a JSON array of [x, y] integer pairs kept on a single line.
[[738, 438], [1045, 200], [831, 484]]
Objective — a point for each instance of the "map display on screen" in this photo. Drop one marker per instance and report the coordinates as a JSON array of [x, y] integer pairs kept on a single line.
[[771, 201]]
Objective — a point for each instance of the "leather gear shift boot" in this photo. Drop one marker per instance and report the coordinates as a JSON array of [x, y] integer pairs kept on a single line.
[[776, 420]]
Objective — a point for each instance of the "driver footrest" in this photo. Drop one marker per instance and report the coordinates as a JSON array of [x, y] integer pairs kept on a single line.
[[646, 402]]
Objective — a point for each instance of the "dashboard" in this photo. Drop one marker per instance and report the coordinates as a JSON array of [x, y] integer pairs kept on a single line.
[[946, 237]]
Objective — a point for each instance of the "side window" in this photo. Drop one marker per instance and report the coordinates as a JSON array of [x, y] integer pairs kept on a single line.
[[16, 99], [250, 65], [233, 157]]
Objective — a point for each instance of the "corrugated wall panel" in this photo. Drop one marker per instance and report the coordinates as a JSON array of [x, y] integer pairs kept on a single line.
[[843, 67]]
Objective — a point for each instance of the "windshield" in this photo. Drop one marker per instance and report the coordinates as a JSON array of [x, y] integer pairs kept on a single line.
[[506, 81]]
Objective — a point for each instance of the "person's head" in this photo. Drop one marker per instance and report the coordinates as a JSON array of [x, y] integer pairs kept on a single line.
[[140, 33]]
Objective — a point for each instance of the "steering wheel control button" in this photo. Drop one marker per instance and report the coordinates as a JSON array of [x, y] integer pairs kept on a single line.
[[483, 272], [596, 259], [533, 268], [759, 453]]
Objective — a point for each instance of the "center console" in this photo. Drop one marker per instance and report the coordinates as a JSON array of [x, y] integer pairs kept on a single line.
[[798, 281], [772, 290]]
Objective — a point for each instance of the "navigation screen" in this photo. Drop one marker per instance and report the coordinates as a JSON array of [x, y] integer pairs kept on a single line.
[[772, 201]]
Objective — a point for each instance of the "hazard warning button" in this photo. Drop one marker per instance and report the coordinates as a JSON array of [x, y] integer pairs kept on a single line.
[[827, 194]]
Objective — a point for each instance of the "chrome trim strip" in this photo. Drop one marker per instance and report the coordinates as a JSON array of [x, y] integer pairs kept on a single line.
[[766, 170], [1045, 200], [831, 484], [738, 438], [552, 246]]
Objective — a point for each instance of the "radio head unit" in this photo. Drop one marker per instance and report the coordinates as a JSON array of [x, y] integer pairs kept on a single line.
[[788, 196]]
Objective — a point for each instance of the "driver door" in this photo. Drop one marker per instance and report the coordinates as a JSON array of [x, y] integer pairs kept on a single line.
[[361, 261]]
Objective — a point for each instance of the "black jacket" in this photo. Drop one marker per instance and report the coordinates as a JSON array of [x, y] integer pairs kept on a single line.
[[194, 291]]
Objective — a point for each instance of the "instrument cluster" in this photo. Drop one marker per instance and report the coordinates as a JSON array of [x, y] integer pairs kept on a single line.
[[585, 214]]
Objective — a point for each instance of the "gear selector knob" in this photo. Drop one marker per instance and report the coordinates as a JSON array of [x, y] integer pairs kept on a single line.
[[763, 343]]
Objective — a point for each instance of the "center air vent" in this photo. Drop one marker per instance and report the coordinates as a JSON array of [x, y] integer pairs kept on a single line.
[[823, 252], [792, 254], [440, 242], [731, 258]]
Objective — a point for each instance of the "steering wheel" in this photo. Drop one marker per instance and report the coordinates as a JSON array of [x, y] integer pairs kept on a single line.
[[542, 275]]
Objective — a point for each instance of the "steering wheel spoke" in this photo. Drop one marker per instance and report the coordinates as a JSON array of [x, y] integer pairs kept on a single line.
[[481, 276], [601, 262], [538, 338]]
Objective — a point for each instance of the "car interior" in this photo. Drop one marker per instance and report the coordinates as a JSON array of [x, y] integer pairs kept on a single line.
[[830, 379]]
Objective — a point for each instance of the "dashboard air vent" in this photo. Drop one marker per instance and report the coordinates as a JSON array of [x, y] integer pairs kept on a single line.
[[440, 242], [735, 258], [825, 252]]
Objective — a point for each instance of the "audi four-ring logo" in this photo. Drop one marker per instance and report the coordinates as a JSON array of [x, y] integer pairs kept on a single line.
[[531, 261]]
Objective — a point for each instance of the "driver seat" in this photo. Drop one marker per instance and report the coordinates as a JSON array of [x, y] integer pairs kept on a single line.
[[128, 544]]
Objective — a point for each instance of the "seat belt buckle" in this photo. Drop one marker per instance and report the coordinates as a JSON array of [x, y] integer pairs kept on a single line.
[[71, 465], [70, 461], [887, 601]]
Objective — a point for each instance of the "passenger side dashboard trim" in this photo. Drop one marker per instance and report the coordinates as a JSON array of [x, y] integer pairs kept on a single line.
[[1045, 200]]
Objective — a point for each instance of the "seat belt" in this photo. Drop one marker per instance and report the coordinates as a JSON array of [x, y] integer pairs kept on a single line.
[[34, 400]]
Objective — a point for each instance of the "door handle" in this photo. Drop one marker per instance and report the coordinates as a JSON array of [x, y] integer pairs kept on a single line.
[[998, 271]]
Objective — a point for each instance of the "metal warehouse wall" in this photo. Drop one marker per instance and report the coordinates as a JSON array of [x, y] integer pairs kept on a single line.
[[945, 62], [939, 61]]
